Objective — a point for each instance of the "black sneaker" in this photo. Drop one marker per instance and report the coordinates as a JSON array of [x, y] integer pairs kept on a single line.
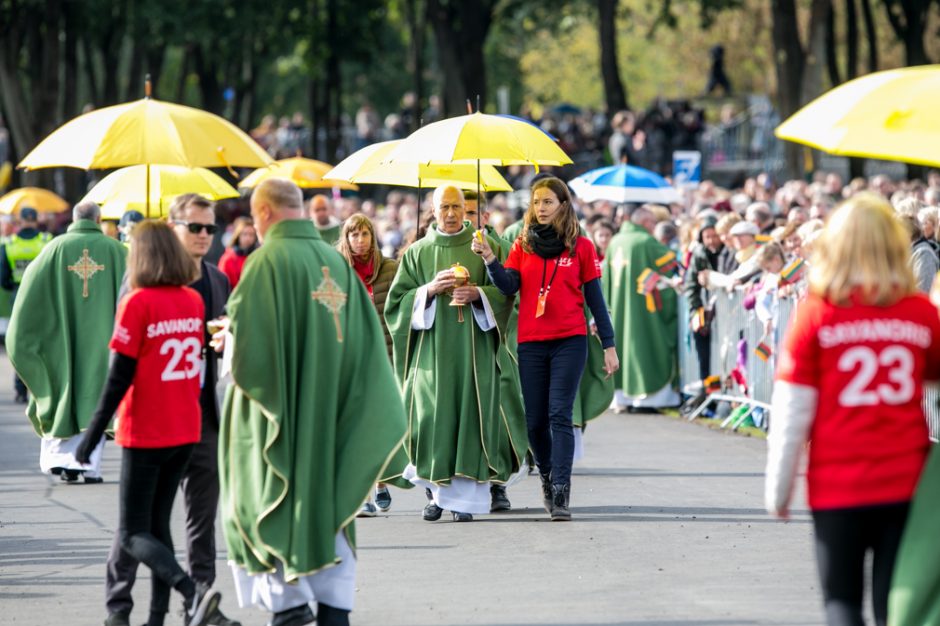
[[297, 616], [70, 476], [119, 618], [462, 517], [383, 499], [217, 618], [93, 480], [368, 510], [499, 501], [546, 491], [560, 510], [432, 512], [204, 604]]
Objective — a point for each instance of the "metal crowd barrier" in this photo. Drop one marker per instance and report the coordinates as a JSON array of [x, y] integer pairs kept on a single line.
[[732, 322]]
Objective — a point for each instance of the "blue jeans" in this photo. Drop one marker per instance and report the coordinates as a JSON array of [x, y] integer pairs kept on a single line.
[[550, 372]]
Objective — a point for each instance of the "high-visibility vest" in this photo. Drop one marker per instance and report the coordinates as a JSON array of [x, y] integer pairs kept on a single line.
[[21, 252]]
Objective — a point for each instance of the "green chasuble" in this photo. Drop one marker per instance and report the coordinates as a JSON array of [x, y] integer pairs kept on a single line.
[[314, 412], [512, 232], [330, 234], [596, 391], [646, 341], [451, 373], [915, 587], [61, 324]]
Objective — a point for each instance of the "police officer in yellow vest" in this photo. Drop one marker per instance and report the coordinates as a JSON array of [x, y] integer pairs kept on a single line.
[[15, 255]]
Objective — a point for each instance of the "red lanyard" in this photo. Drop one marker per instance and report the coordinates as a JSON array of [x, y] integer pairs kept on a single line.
[[544, 289]]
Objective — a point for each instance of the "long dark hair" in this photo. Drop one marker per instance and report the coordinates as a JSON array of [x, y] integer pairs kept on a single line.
[[565, 220]]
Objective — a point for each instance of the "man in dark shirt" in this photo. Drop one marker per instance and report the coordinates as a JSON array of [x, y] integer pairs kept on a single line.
[[193, 219]]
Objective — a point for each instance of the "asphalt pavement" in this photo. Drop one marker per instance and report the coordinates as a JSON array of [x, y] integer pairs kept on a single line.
[[668, 530]]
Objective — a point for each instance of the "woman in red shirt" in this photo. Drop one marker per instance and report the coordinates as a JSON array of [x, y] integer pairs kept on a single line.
[[850, 381], [244, 242], [155, 376], [555, 270]]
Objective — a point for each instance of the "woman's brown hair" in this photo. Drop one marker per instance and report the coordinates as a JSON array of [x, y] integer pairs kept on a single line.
[[240, 224], [158, 259], [353, 223], [565, 221]]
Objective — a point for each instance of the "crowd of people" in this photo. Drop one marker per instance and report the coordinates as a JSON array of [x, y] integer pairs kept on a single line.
[[490, 329]]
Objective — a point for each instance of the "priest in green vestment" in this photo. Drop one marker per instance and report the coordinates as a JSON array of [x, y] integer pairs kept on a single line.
[[58, 337], [449, 364], [310, 420], [646, 324], [324, 218], [913, 600]]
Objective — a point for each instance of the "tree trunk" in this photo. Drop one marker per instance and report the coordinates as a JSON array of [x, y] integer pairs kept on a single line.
[[815, 59], [209, 89], [74, 179], [851, 40], [614, 93], [871, 35], [91, 75], [417, 26], [184, 74], [832, 61], [460, 29], [910, 29], [155, 57], [333, 86], [789, 61]]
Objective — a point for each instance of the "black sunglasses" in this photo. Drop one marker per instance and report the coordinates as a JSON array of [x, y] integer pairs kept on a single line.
[[195, 227]]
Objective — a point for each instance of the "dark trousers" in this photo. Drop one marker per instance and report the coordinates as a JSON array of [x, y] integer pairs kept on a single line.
[[149, 480], [200, 484], [703, 348], [550, 373], [843, 537]]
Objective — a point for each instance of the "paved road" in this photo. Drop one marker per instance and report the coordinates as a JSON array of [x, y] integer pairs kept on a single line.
[[669, 531]]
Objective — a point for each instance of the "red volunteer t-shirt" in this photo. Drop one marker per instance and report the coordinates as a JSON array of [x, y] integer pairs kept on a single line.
[[162, 328], [564, 307], [868, 442]]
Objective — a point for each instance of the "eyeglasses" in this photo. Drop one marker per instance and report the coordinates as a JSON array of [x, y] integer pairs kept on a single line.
[[195, 227]]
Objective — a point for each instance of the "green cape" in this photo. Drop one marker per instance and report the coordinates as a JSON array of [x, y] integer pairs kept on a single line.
[[451, 375], [646, 341], [310, 421], [58, 338], [915, 588], [330, 234]]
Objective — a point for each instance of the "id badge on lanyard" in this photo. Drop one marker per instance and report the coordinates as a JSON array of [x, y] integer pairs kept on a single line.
[[545, 289]]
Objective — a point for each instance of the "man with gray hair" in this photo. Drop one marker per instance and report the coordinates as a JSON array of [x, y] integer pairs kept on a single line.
[[760, 214], [58, 338], [445, 317], [637, 277], [310, 420]]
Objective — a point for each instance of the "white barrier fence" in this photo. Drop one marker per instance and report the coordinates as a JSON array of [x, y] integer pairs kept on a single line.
[[732, 323]]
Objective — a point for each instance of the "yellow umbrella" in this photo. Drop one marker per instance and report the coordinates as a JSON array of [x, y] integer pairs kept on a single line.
[[147, 132], [306, 173], [886, 115], [40, 199], [124, 189], [367, 166], [480, 138]]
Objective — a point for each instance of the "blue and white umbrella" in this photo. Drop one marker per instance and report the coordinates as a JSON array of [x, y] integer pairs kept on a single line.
[[624, 183]]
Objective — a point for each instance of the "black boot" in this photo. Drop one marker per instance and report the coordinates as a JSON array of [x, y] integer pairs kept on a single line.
[[331, 616], [546, 492], [297, 616], [560, 511], [431, 512], [499, 501]]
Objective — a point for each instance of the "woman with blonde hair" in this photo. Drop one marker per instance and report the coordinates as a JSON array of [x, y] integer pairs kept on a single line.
[[850, 381], [154, 385], [360, 247]]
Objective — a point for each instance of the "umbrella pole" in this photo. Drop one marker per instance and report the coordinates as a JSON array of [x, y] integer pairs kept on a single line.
[[479, 200], [148, 191]]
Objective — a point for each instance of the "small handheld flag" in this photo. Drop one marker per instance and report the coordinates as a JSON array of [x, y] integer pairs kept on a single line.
[[792, 272], [763, 351]]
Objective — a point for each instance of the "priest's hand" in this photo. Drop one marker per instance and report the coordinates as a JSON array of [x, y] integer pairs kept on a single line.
[[217, 329], [611, 362], [481, 246], [444, 281], [466, 295]]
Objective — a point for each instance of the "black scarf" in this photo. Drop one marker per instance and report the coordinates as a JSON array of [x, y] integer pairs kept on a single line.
[[545, 241], [242, 251]]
